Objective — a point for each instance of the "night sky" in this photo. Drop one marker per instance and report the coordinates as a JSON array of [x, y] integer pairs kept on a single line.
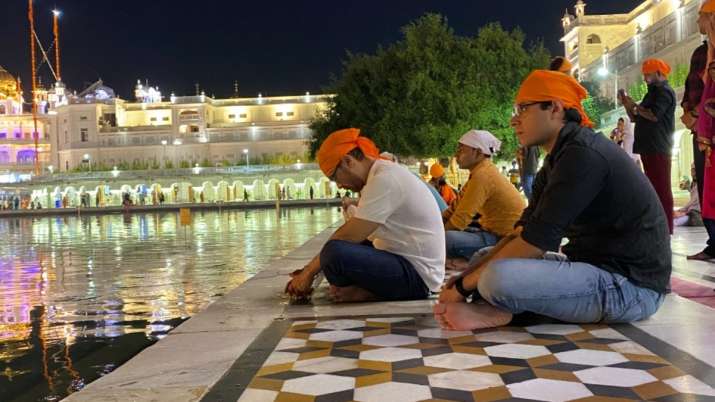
[[274, 47]]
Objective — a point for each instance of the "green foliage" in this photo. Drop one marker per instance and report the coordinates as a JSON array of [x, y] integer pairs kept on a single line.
[[225, 163], [155, 165], [184, 164], [417, 96], [679, 76], [206, 163], [168, 165], [596, 105]]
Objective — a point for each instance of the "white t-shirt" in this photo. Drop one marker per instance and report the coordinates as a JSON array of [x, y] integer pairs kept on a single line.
[[410, 221]]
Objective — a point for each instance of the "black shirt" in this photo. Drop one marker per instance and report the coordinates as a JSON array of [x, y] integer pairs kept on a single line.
[[592, 193], [656, 137]]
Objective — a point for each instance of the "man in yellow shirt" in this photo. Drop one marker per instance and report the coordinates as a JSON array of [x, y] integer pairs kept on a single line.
[[487, 206]]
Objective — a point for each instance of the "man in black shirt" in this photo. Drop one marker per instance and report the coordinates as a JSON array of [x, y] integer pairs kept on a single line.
[[617, 263], [655, 126]]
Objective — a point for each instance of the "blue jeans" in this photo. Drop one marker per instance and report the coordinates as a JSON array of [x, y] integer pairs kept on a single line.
[[527, 183], [388, 276], [567, 291], [463, 244]]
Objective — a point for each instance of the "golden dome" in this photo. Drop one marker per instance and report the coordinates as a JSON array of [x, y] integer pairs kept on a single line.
[[8, 84]]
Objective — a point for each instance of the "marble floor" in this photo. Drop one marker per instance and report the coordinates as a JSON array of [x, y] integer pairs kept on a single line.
[[254, 346], [408, 358]]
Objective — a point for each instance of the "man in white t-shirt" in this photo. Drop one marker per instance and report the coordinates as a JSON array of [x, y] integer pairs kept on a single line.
[[405, 256]]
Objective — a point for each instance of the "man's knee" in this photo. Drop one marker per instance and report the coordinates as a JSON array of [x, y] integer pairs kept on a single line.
[[332, 254], [500, 281]]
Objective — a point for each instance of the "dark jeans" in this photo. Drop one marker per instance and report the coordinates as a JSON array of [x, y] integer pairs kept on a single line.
[[527, 182], [657, 168], [388, 276]]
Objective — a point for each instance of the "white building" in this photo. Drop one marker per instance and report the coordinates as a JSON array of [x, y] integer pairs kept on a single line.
[[96, 129]]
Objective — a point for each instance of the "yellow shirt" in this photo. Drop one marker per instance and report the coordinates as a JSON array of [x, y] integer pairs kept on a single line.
[[488, 195]]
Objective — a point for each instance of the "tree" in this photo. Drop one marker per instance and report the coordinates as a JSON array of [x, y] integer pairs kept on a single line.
[[595, 105], [417, 96]]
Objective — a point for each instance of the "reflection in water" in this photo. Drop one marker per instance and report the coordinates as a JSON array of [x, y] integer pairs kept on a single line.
[[82, 295]]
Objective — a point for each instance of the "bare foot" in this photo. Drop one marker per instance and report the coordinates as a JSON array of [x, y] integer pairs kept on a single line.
[[701, 256], [439, 309], [457, 264], [350, 294], [470, 316]]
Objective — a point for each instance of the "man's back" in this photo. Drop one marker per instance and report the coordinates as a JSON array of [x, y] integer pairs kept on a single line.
[[592, 193], [410, 220]]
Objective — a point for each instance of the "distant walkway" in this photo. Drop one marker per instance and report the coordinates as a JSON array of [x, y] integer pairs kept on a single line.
[[169, 207]]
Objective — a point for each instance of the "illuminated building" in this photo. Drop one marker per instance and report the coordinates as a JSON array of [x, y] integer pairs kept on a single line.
[[609, 50]]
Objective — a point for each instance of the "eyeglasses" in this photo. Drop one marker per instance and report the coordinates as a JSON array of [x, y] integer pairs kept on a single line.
[[521, 108]]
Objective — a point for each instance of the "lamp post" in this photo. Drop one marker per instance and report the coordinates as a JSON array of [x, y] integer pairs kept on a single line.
[[86, 158], [603, 72], [245, 152], [163, 152]]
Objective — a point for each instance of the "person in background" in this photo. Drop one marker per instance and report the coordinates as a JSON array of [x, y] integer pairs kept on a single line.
[[618, 133], [439, 182], [655, 125], [690, 215], [529, 163], [487, 207]]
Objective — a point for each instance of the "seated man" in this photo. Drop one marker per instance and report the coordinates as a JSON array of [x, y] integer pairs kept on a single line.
[[487, 207], [618, 259], [439, 183], [405, 259]]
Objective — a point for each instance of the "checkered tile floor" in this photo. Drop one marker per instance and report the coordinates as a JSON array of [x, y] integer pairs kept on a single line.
[[409, 359]]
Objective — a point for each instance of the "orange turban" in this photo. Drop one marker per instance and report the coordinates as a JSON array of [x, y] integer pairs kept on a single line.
[[436, 170], [708, 7], [544, 86], [566, 65], [339, 144], [651, 66]]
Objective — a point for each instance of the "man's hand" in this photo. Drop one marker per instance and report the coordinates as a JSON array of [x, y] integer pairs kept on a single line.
[[300, 285], [346, 202], [450, 294]]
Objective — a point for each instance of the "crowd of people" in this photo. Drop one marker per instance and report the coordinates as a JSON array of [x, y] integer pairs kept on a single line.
[[590, 244]]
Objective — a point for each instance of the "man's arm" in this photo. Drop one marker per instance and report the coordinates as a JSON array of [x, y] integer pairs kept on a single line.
[[517, 247]]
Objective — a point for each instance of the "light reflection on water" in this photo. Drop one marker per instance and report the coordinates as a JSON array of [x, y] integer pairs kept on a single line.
[[81, 295]]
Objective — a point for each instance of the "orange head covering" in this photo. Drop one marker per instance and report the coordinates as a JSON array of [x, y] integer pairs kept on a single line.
[[708, 7], [652, 66], [544, 86], [339, 144], [436, 170], [565, 66]]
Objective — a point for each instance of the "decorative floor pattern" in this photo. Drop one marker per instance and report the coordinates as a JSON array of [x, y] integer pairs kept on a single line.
[[409, 359]]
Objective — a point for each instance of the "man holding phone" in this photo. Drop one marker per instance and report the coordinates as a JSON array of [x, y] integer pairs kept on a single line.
[[655, 124]]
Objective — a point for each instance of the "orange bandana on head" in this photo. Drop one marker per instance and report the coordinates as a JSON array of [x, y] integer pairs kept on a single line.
[[708, 7], [652, 66], [339, 144], [544, 86], [436, 170]]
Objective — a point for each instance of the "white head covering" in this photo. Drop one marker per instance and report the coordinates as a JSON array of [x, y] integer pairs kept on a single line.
[[481, 140], [389, 156]]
